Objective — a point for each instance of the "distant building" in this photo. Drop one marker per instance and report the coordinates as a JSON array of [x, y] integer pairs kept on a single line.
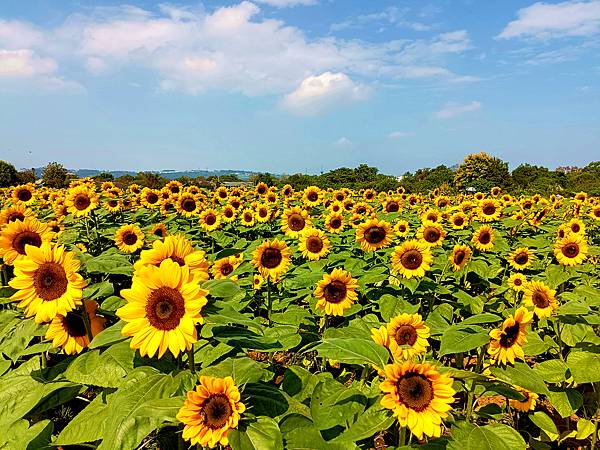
[[237, 184]]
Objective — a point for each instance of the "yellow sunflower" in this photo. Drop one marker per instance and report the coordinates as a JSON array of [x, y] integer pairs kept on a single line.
[[418, 395], [334, 223], [69, 333], [571, 250], [272, 259], [507, 342], [374, 234], [314, 244], [159, 230], [222, 268], [336, 292], [24, 194], [405, 336], [411, 259], [489, 210], [150, 198], [521, 258], [247, 217], [431, 234], [460, 256], [81, 201], [129, 238], [459, 220], [483, 238], [163, 309], [47, 282], [16, 235], [294, 221], [541, 298], [257, 281], [210, 411], [228, 213], [576, 226], [188, 205], [312, 196], [517, 282], [401, 228], [525, 405], [210, 220], [14, 212]]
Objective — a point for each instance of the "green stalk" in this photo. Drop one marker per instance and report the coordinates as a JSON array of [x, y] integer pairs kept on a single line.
[[86, 322], [269, 301], [191, 361], [402, 437]]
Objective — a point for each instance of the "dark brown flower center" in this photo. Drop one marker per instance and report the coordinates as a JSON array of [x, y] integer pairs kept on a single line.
[[442, 203], [262, 212], [152, 198], [489, 209], [12, 217], [406, 335], [82, 201], [517, 282], [485, 237], [165, 308], [411, 259], [458, 221], [522, 258], [313, 196], [392, 207], [540, 299], [335, 292], [314, 244], [177, 259], [509, 335], [26, 238], [459, 257], [575, 228], [216, 411], [415, 391], [228, 213], [50, 281], [161, 232], [129, 238], [571, 250], [226, 269], [431, 234], [271, 258], [261, 190], [335, 223], [24, 195], [296, 222], [188, 204], [375, 235], [210, 219], [74, 325]]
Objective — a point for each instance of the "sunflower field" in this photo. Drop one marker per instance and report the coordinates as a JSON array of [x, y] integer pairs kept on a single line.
[[264, 318]]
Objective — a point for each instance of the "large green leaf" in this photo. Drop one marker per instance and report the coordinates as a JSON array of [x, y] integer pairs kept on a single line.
[[466, 436], [109, 263], [20, 436], [353, 351], [87, 426], [242, 370], [565, 401], [458, 339], [333, 403], [109, 336], [261, 434], [584, 366], [521, 375], [102, 368], [221, 288], [552, 370], [373, 420], [391, 305]]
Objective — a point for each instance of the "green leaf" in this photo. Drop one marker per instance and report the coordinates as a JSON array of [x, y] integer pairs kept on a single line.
[[565, 401], [391, 306], [585, 428], [333, 403], [265, 400], [309, 438], [17, 338], [521, 375], [262, 434], [20, 436], [109, 336], [373, 420], [545, 423], [102, 368], [481, 318], [87, 426], [584, 366], [110, 263], [458, 339], [353, 351], [242, 370], [535, 345], [552, 370], [221, 288], [98, 290], [497, 436]]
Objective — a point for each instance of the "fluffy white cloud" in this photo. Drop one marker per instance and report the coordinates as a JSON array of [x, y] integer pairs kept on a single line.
[[545, 20], [15, 35], [401, 134], [288, 3], [24, 63], [317, 93], [451, 110], [344, 142]]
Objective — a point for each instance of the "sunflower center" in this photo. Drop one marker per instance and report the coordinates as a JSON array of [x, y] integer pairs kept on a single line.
[[485, 237], [313, 196], [226, 269], [374, 235], [415, 391], [262, 212], [411, 259], [248, 217], [392, 207], [314, 244], [16, 216], [210, 219], [431, 234], [517, 282], [458, 221], [228, 213], [489, 210], [575, 228], [296, 222], [178, 259], [271, 258], [442, 203], [24, 195], [26, 238], [152, 198], [571, 250], [335, 292], [50, 281], [335, 223], [510, 335], [402, 228], [130, 238], [161, 232], [188, 204], [406, 335], [165, 308], [113, 203], [261, 190], [522, 258], [540, 299], [216, 411], [459, 257], [81, 202], [74, 325]]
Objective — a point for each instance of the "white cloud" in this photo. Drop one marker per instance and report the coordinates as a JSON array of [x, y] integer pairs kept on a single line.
[[24, 63], [545, 20], [344, 142], [401, 134], [317, 93], [451, 110], [15, 35], [288, 3]]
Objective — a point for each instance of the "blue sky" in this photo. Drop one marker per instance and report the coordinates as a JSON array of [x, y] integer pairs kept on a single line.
[[298, 85]]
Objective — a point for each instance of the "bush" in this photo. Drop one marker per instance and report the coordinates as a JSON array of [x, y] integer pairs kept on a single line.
[[8, 174], [55, 175]]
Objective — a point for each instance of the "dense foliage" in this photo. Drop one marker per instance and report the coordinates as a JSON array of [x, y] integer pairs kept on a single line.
[[315, 319]]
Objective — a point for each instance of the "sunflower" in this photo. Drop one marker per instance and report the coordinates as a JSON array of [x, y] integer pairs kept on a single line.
[[163, 308], [541, 298], [150, 198], [257, 281], [176, 248], [374, 234], [405, 336], [247, 217], [517, 282], [521, 258], [369, 195], [47, 282], [222, 268], [571, 250], [507, 342], [431, 215], [69, 333], [81, 201], [525, 405], [401, 228], [174, 187], [334, 223], [483, 238], [18, 234], [210, 411], [459, 220], [210, 220], [489, 210], [418, 395], [461, 254], [294, 221], [129, 238], [228, 213], [411, 259], [312, 196], [113, 205], [336, 292], [263, 213], [24, 194], [576, 226], [187, 205], [272, 259], [314, 244], [159, 230], [14, 212], [261, 188], [431, 234], [56, 227]]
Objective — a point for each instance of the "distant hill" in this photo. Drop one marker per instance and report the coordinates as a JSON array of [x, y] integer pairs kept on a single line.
[[170, 174]]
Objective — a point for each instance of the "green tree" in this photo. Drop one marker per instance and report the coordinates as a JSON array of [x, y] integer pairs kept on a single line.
[[26, 176], [104, 176], [150, 179], [481, 171], [55, 175], [8, 174]]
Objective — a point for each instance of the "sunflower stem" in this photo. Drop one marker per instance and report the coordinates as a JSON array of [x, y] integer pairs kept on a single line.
[[402, 437], [86, 322], [269, 301], [191, 361]]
